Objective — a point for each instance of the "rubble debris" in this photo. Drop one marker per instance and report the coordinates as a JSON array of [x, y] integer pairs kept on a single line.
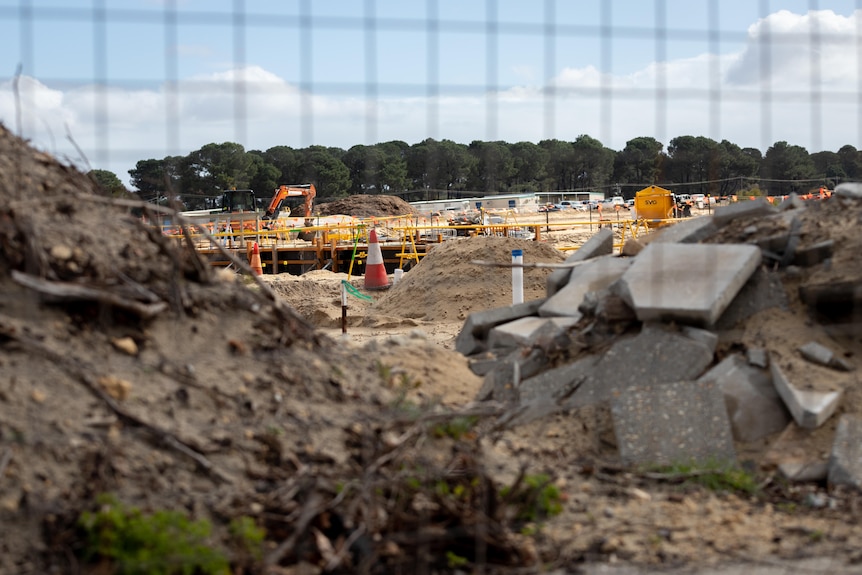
[[849, 190], [595, 275], [524, 330], [669, 423], [845, 460], [690, 283], [804, 471], [600, 244], [822, 355], [689, 231], [757, 208], [473, 336], [753, 405], [810, 408]]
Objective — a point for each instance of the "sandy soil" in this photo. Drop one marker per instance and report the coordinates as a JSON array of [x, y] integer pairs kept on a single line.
[[129, 367]]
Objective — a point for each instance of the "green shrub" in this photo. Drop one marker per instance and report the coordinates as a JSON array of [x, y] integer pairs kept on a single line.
[[162, 543]]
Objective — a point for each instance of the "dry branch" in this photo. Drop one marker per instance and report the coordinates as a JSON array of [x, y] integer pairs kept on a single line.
[[64, 291]]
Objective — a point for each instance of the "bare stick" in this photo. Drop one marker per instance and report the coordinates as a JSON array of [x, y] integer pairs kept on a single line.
[[564, 265], [76, 292]]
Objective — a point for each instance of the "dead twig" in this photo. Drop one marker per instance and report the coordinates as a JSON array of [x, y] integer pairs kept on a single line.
[[563, 266], [63, 291], [313, 506], [282, 311]]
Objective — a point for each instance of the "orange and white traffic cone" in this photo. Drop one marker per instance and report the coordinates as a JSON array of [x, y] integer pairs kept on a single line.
[[375, 271], [256, 265]]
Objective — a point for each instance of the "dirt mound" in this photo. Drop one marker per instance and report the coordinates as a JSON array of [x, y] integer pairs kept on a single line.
[[367, 206], [447, 286], [131, 368]]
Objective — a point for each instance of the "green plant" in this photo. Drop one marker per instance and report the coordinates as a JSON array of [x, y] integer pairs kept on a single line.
[[714, 475], [454, 561], [455, 428], [248, 537], [535, 497], [161, 543]]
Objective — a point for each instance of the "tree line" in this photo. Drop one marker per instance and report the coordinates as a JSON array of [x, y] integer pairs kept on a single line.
[[434, 169]]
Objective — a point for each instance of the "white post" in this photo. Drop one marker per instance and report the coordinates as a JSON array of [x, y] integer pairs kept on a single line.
[[517, 277]]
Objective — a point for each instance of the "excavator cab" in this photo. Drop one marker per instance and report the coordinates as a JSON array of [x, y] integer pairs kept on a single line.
[[238, 201]]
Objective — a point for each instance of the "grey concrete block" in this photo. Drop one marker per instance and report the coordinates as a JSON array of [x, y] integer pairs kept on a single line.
[[689, 231], [474, 333], [658, 354], [804, 471], [547, 392], [762, 291], [523, 331], [595, 275], [793, 202], [809, 408], [557, 383], [672, 423], [845, 461], [502, 383], [822, 355], [689, 283], [757, 356], [753, 405], [706, 337], [850, 190], [757, 208], [600, 244]]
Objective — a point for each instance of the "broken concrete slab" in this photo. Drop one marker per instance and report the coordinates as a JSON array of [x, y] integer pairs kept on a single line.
[[757, 208], [704, 336], [523, 331], [557, 383], [753, 405], [762, 291], [689, 283], [501, 383], [600, 244], [672, 423], [658, 354], [850, 190], [757, 356], [845, 461], [474, 333], [793, 202], [804, 471], [809, 408], [822, 355], [595, 275], [688, 231]]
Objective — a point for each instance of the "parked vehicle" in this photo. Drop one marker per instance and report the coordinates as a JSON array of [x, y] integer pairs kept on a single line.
[[549, 208]]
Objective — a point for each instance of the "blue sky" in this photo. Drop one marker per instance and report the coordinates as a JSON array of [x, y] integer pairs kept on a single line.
[[137, 79]]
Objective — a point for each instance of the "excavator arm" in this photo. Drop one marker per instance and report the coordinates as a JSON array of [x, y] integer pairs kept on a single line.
[[283, 192]]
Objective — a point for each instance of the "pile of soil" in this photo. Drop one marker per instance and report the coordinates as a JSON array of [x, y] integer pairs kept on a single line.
[[130, 367], [367, 206], [447, 285]]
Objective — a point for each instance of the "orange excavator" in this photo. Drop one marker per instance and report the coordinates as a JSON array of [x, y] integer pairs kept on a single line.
[[283, 192]]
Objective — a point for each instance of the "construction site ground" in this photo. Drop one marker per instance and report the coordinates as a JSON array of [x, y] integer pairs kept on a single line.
[[128, 368]]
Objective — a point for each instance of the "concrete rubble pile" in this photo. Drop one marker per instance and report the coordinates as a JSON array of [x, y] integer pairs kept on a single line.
[[655, 335]]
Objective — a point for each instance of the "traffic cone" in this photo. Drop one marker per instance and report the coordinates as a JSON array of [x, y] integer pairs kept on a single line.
[[256, 265], [375, 271]]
